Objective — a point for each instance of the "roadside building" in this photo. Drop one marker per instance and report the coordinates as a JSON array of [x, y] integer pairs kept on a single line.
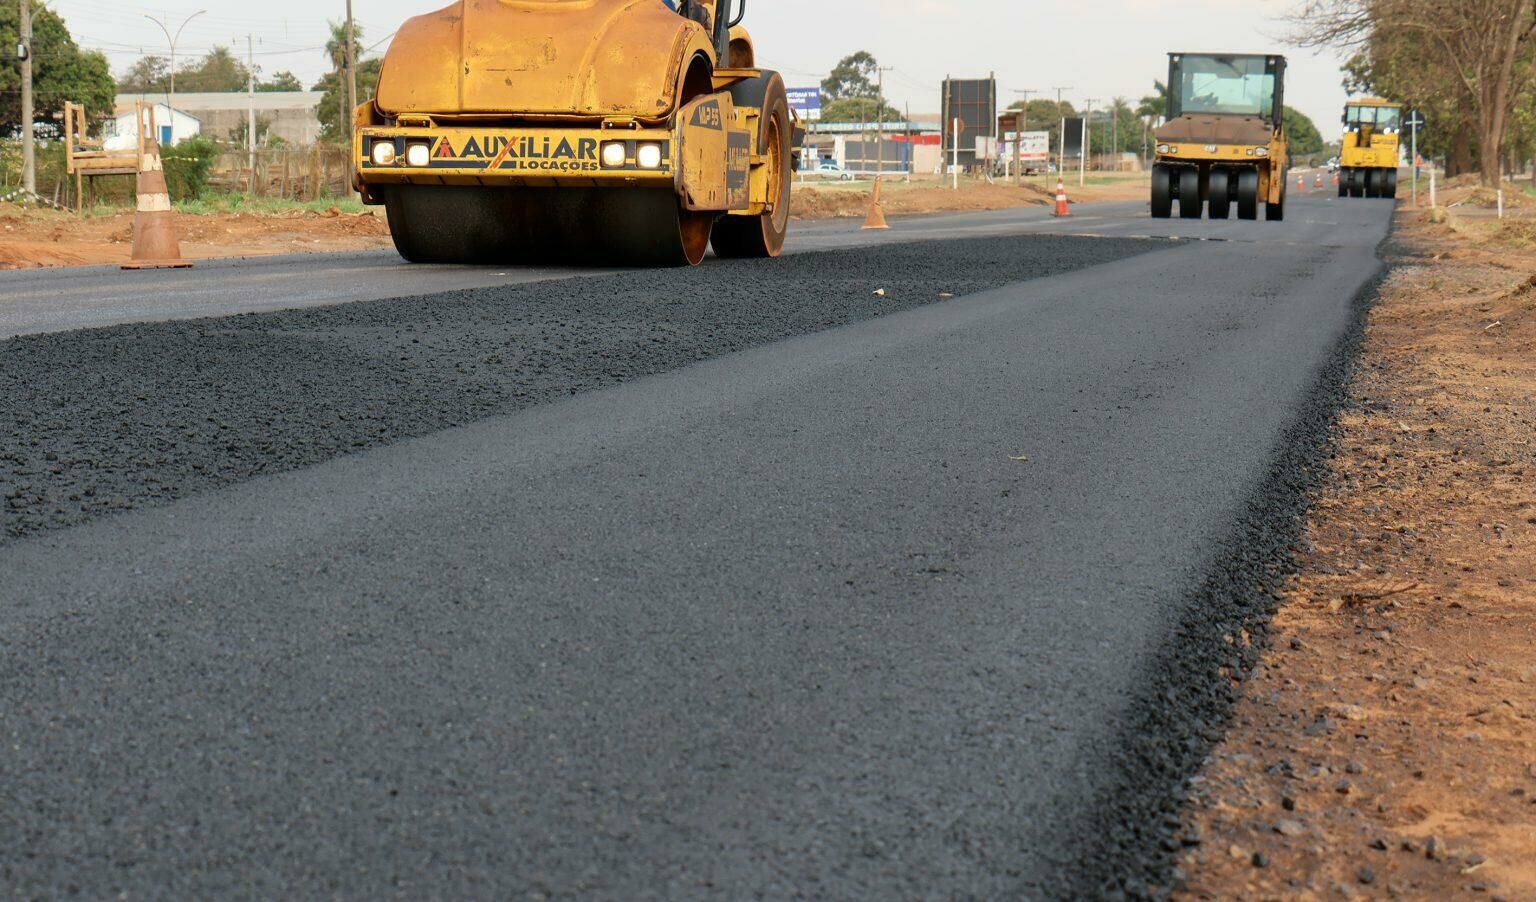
[[286, 115], [171, 125]]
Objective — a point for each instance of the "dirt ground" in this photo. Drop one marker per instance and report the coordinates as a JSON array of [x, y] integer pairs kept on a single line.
[[42, 237], [1386, 746], [33, 237]]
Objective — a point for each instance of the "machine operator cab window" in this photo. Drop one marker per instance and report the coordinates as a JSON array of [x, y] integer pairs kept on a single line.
[[699, 11], [1205, 85], [1385, 119]]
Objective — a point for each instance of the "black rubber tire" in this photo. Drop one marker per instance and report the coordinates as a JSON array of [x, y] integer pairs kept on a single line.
[[1373, 183], [1162, 191], [468, 224], [1275, 212], [761, 235], [1189, 193], [1219, 194], [1247, 194], [1390, 184], [1344, 183]]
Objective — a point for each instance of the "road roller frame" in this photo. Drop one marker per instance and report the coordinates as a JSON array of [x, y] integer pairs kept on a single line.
[[1369, 151], [1223, 143], [579, 131]]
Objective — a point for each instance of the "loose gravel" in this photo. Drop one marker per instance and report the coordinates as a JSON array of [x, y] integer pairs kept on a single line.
[[1192, 687], [130, 416]]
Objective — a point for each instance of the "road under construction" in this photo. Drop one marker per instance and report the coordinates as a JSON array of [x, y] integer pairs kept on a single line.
[[905, 564]]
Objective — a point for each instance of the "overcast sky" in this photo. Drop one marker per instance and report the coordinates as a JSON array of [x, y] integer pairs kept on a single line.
[[1097, 49]]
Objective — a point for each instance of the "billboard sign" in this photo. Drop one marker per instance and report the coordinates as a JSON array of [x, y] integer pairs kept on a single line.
[[1036, 146], [806, 102]]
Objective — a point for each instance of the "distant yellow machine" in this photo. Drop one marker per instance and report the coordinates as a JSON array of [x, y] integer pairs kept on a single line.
[[577, 131], [1368, 161], [1224, 137]]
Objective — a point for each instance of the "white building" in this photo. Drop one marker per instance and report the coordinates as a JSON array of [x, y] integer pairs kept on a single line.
[[172, 125]]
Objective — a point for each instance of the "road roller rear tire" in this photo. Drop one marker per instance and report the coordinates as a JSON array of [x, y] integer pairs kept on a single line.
[[762, 235], [572, 226], [1247, 194], [1220, 190], [1343, 183], [1373, 183], [1389, 184], [1189, 193], [1162, 191]]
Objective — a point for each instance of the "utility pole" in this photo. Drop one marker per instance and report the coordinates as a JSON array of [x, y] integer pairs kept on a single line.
[[1061, 155], [351, 63], [1082, 161], [250, 109], [171, 39], [28, 152], [880, 112], [1020, 123]]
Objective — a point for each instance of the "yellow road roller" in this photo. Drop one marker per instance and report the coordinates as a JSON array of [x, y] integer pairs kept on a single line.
[[590, 132], [1223, 141], [1368, 159]]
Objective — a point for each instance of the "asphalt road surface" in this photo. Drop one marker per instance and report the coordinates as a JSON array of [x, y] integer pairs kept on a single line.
[[787, 590]]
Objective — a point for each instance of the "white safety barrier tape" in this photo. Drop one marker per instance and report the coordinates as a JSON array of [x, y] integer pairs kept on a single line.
[[154, 203]]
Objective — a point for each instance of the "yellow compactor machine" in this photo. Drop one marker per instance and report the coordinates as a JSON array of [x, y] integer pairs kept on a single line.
[[578, 131], [1223, 141], [1368, 161]]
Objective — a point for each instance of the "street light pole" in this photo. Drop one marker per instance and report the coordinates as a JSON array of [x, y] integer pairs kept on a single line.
[[351, 59], [170, 100], [1021, 123], [1061, 142], [28, 152], [1082, 160]]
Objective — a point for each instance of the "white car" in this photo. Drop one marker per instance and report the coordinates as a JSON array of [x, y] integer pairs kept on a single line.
[[831, 169]]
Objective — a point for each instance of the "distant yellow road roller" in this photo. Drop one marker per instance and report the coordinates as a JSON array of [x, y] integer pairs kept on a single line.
[[590, 132], [1368, 160], [1224, 139]]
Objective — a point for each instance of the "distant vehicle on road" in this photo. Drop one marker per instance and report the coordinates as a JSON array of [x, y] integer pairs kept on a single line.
[[832, 169]]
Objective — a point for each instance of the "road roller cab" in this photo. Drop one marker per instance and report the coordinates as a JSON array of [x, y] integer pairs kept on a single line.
[[577, 131], [1223, 141], [1368, 158]]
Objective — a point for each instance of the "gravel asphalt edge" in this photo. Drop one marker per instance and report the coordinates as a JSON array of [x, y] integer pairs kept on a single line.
[[1190, 690]]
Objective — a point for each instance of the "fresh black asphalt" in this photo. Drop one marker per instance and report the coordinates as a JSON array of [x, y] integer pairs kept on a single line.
[[886, 609], [120, 417]]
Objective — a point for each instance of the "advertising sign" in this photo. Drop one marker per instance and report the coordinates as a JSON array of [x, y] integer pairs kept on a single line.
[[806, 102]]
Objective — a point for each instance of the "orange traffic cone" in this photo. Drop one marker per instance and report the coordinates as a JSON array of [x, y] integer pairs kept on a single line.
[[155, 245], [1319, 182], [1335, 179], [1300, 182], [876, 217], [1061, 199]]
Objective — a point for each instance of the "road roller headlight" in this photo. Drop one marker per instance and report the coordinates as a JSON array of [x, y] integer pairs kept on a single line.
[[418, 154], [648, 156], [383, 153], [1261, 151], [613, 154]]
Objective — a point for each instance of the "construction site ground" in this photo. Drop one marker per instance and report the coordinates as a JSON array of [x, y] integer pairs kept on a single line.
[[44, 237], [1386, 745]]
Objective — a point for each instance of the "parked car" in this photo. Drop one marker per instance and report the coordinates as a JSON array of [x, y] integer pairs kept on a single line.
[[832, 169]]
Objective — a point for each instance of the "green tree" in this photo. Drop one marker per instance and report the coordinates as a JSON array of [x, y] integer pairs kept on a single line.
[[282, 81], [61, 71], [150, 75], [850, 92], [1042, 115], [1155, 105], [1304, 138], [334, 126], [218, 71]]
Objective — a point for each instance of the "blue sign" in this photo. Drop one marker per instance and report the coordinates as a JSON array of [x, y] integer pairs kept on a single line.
[[806, 102]]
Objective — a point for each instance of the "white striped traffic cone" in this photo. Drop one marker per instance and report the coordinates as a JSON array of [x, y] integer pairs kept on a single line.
[[155, 245]]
